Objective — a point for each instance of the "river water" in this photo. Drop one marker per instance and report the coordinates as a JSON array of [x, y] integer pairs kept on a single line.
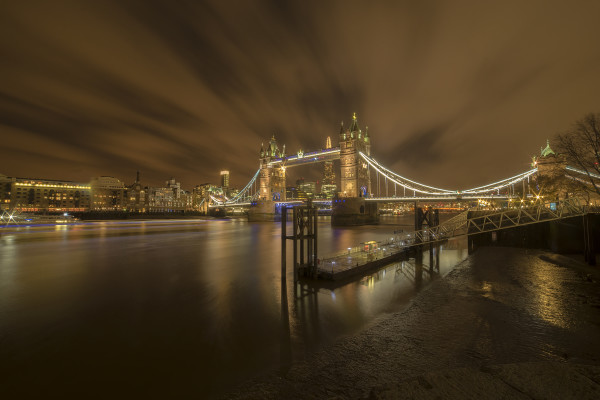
[[159, 308]]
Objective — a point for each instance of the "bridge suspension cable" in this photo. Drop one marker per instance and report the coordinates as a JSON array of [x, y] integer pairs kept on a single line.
[[246, 189], [215, 200], [501, 184], [434, 191], [404, 182], [591, 174]]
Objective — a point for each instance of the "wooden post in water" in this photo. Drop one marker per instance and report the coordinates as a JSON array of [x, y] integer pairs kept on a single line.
[[433, 221], [431, 218], [300, 233], [437, 257], [309, 234], [285, 349], [418, 222], [310, 225], [315, 230], [294, 233], [431, 256], [283, 240], [305, 228]]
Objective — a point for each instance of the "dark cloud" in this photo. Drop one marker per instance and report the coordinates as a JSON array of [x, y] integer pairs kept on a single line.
[[454, 94], [421, 148]]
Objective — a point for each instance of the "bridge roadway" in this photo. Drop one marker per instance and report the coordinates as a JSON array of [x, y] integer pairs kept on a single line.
[[458, 197], [383, 200], [277, 203]]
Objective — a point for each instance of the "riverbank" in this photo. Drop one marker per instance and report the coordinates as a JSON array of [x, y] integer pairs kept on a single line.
[[133, 216], [503, 312]]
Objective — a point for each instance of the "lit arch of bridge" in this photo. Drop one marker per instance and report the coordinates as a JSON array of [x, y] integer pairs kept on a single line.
[[245, 196]]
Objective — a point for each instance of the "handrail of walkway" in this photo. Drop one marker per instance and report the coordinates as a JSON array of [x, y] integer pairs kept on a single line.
[[458, 225]]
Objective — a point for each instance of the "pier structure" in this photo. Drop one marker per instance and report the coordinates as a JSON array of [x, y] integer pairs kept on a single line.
[[304, 238], [480, 227]]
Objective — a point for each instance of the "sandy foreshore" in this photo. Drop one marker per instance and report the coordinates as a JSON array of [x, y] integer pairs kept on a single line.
[[505, 323]]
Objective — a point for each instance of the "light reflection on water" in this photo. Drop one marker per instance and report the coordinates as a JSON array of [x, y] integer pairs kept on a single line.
[[184, 304], [349, 308], [548, 298]]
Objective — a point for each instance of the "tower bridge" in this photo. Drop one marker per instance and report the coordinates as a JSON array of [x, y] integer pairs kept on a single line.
[[364, 182]]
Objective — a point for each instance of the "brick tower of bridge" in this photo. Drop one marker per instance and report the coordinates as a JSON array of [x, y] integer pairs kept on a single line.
[[355, 179], [272, 179], [350, 206], [551, 181], [272, 184]]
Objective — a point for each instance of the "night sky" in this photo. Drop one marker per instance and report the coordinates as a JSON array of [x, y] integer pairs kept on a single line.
[[455, 94]]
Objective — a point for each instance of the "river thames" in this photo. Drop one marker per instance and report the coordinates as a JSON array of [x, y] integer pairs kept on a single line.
[[176, 307]]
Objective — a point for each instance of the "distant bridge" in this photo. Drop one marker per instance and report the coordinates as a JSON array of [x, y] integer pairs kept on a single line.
[[362, 176]]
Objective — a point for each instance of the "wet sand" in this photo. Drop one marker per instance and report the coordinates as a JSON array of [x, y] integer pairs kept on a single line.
[[503, 312]]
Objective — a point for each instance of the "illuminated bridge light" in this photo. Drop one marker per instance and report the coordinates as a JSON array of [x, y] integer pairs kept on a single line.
[[418, 191]]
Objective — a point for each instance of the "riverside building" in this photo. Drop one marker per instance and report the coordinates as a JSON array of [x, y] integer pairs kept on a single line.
[[104, 193], [136, 196], [169, 199], [108, 194], [35, 195]]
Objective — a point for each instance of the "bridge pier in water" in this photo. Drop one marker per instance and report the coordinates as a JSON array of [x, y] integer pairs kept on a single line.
[[264, 211], [353, 211]]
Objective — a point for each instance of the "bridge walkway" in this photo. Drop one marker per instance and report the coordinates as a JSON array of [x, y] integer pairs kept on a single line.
[[373, 254]]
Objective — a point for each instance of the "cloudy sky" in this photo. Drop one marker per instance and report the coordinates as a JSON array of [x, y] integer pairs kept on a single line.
[[455, 93]]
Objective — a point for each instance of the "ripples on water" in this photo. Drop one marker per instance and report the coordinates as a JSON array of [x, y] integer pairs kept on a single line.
[[177, 306]]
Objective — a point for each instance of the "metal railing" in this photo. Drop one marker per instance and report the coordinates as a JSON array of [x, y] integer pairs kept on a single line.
[[456, 226], [519, 216], [516, 215], [357, 256]]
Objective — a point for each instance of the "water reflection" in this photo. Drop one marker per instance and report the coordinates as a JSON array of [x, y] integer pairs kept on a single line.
[[386, 290], [548, 299], [184, 304], [286, 339]]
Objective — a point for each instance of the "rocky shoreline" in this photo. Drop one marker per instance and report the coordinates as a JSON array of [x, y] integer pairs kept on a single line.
[[501, 311]]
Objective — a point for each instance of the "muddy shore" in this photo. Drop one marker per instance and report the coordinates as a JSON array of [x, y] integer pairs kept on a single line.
[[502, 312]]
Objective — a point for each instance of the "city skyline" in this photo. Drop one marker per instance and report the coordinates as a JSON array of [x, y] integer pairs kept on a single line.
[[217, 180], [319, 175], [299, 199], [455, 95]]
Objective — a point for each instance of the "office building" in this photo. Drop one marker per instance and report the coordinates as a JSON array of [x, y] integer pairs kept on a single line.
[[225, 179]]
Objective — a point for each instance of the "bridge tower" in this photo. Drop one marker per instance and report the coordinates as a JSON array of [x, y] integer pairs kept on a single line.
[[355, 181], [551, 174], [271, 182], [350, 206], [272, 179]]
